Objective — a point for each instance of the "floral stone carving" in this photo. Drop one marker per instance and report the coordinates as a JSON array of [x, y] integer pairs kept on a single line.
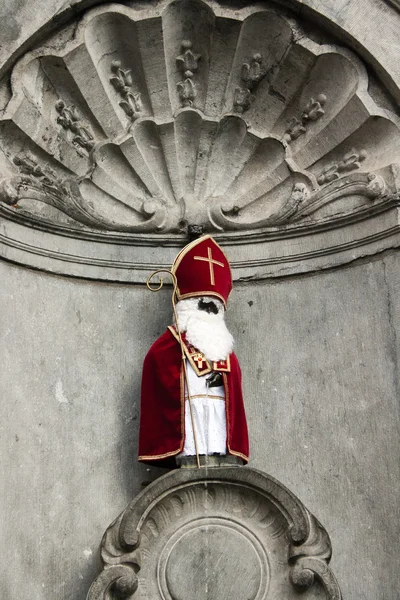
[[149, 125], [224, 532], [188, 63], [251, 75], [122, 82]]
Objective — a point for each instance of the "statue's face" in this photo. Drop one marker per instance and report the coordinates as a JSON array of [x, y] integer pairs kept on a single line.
[[203, 309], [209, 305]]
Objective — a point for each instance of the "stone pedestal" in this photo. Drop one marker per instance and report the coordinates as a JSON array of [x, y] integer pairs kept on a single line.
[[222, 533]]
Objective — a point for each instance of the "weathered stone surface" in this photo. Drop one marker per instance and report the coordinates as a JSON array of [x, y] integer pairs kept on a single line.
[[372, 37], [320, 366], [321, 381], [71, 356], [128, 124]]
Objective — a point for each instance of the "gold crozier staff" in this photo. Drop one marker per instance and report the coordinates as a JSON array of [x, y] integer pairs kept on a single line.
[[182, 345]]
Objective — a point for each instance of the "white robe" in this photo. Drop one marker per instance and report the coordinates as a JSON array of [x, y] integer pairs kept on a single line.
[[208, 406]]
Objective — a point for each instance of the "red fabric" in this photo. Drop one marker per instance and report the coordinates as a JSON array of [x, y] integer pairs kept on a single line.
[[202, 269], [162, 413]]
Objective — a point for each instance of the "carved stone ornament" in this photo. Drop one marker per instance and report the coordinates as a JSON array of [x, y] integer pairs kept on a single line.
[[132, 123], [223, 533]]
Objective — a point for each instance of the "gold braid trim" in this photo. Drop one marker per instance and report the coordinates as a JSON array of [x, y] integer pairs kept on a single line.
[[190, 358], [157, 456]]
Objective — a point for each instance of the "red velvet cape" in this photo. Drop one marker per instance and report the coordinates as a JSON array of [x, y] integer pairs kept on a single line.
[[162, 412]]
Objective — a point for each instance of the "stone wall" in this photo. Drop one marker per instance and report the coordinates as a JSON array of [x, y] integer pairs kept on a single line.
[[319, 356]]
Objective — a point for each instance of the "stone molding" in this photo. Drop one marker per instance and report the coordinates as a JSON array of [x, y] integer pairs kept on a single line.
[[123, 129], [235, 531], [263, 257]]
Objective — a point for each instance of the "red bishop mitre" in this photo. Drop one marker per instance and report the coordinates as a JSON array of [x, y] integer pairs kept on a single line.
[[202, 269]]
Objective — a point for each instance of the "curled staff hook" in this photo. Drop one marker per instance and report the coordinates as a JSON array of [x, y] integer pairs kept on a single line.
[[174, 296], [161, 282], [160, 285]]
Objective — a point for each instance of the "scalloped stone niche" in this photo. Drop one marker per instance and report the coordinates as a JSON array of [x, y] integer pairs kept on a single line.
[[130, 125]]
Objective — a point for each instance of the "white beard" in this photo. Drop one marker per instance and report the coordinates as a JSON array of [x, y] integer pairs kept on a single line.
[[205, 331]]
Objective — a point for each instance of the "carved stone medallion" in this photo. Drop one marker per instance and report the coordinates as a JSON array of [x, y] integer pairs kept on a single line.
[[133, 123], [225, 533]]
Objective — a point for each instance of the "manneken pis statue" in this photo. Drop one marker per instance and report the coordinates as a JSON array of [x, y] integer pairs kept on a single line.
[[191, 397]]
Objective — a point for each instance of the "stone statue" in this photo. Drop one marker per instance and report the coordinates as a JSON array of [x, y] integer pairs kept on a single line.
[[191, 399]]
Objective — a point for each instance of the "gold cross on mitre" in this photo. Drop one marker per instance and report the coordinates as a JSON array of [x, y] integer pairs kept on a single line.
[[211, 262]]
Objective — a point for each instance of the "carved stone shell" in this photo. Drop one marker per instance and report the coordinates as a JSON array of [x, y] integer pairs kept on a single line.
[[147, 119]]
